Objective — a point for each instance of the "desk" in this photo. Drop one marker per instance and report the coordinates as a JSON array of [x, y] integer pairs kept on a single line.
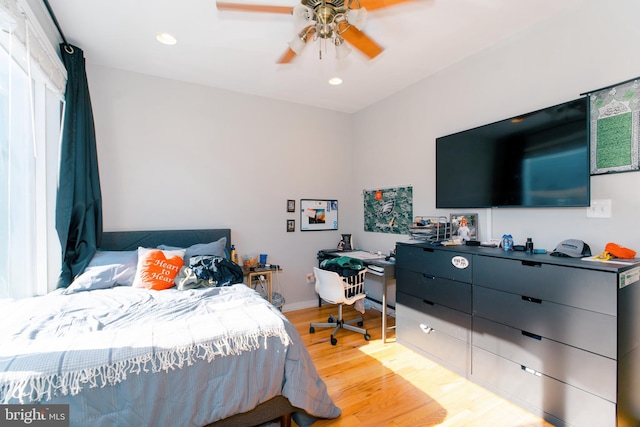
[[381, 268], [253, 277]]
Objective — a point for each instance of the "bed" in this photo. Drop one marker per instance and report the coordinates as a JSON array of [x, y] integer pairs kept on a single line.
[[130, 356]]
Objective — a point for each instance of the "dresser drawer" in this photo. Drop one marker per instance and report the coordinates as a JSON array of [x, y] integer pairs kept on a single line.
[[425, 333], [438, 317], [434, 289], [582, 369], [574, 406], [588, 330], [577, 287], [434, 262]]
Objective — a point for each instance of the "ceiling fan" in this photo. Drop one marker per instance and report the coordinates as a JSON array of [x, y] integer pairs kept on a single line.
[[327, 21]]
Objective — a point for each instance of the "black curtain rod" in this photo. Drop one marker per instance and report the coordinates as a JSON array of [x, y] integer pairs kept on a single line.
[[55, 21], [606, 87]]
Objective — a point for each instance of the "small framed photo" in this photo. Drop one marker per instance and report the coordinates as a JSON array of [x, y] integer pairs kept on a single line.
[[464, 226], [291, 225], [291, 205]]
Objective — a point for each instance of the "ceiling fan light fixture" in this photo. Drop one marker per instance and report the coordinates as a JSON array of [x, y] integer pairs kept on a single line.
[[300, 41], [357, 17], [325, 31], [297, 44], [325, 22], [166, 38], [302, 15], [342, 49]]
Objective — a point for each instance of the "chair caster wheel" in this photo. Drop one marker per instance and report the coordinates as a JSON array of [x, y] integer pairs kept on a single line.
[[367, 337], [331, 319], [312, 330], [360, 324], [334, 341]]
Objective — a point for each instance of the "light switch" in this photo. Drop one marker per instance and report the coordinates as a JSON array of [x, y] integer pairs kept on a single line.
[[600, 208]]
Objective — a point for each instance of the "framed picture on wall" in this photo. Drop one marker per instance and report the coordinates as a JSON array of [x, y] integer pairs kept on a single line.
[[318, 214], [291, 205], [464, 226], [291, 225], [615, 120]]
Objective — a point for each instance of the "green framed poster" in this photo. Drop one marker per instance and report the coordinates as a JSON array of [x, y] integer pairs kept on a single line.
[[388, 210], [615, 126]]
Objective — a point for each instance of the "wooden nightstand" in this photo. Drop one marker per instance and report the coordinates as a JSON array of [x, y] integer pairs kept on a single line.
[[254, 277]]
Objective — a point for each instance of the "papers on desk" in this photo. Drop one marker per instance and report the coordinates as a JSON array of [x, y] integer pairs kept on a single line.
[[363, 255], [376, 268]]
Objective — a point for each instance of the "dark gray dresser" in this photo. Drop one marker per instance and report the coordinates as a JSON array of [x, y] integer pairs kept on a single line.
[[558, 336]]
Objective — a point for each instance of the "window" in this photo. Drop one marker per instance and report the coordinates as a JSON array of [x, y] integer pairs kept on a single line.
[[29, 132]]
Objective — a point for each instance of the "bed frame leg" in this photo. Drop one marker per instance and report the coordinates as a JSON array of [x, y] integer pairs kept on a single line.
[[285, 420]]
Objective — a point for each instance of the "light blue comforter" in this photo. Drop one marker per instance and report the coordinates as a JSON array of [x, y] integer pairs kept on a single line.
[[133, 357]]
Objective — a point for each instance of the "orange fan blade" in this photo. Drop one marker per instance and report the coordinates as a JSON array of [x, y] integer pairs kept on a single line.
[[379, 4], [287, 57], [254, 8], [362, 42]]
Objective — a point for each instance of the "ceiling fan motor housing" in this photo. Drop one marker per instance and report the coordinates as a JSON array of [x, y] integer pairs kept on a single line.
[[337, 4], [325, 16]]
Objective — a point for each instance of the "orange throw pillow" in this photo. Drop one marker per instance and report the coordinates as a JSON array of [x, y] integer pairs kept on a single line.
[[157, 271]]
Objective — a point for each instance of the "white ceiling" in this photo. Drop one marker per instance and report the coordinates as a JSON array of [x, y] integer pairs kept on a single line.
[[238, 51]]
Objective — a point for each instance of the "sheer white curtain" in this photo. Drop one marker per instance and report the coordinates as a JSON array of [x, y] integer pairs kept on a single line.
[[26, 113]]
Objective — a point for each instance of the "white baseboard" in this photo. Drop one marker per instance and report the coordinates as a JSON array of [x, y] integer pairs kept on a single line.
[[299, 305], [314, 303]]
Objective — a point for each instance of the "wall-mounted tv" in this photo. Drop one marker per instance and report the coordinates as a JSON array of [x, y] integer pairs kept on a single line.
[[539, 159]]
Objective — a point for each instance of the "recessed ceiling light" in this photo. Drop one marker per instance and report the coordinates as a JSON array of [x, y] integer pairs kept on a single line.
[[335, 81], [166, 38]]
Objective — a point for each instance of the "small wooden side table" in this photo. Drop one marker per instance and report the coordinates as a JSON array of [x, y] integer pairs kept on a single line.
[[253, 279]]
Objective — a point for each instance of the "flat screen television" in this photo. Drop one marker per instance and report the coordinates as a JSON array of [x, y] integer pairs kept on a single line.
[[539, 159]]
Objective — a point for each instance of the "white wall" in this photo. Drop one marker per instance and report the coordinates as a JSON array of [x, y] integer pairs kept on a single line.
[[592, 46], [175, 155]]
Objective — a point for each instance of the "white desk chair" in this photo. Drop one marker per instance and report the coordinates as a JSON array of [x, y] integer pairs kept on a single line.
[[334, 289]]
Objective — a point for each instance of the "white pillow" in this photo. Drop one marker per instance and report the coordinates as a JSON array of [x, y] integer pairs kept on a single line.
[[106, 270]]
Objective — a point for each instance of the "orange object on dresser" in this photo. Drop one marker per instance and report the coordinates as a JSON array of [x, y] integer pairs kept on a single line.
[[619, 251]]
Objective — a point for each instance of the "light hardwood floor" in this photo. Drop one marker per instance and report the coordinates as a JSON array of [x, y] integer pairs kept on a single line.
[[390, 385]]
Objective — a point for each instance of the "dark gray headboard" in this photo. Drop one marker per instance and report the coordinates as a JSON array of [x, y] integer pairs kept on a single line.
[[130, 240]]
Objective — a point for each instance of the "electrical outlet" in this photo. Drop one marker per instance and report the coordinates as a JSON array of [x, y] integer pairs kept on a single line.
[[310, 278], [600, 208]]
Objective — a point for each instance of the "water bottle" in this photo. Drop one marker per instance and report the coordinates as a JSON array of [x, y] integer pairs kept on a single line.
[[234, 254], [507, 242]]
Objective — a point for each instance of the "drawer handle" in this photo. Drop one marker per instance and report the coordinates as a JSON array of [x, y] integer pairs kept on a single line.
[[531, 299], [425, 328], [532, 263], [427, 249], [428, 302], [429, 276], [530, 335], [531, 371]]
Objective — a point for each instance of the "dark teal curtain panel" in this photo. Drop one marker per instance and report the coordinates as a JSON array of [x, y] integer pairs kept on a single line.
[[79, 199]]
